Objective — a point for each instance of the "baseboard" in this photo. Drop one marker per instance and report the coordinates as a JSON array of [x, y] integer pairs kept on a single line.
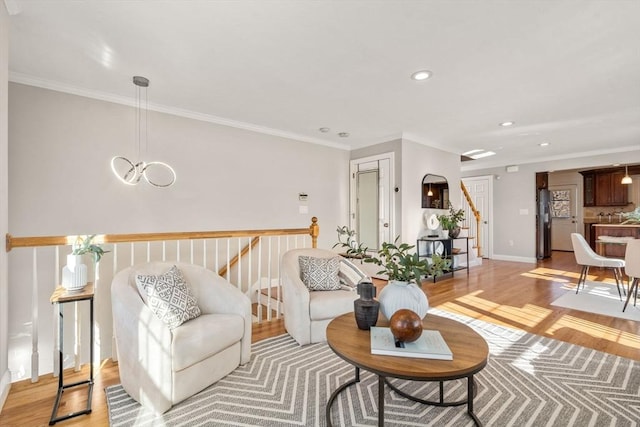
[[5, 386], [514, 258]]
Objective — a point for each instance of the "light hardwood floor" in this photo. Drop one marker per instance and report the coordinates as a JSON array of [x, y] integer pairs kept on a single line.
[[507, 293]]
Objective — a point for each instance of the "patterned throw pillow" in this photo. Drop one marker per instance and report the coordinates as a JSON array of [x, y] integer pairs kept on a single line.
[[320, 274], [169, 297], [349, 274]]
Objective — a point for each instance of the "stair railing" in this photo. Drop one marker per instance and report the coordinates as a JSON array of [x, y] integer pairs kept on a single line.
[[477, 217], [246, 258]]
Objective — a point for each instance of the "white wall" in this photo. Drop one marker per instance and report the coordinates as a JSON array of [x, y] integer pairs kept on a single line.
[[61, 183], [5, 376], [417, 161]]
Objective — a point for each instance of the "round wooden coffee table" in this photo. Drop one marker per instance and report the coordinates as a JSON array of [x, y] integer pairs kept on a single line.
[[470, 352]]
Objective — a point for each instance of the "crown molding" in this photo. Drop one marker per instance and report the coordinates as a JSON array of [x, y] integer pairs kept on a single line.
[[131, 102]]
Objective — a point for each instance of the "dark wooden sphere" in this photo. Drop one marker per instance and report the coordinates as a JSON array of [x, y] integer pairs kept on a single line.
[[405, 325]]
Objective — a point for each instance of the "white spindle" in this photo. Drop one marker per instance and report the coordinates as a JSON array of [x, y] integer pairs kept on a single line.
[[34, 319], [148, 251], [204, 253], [278, 275], [164, 251], [249, 269], [177, 250], [114, 349], [228, 255], [191, 249], [269, 296], [259, 305], [133, 254], [239, 284], [216, 255]]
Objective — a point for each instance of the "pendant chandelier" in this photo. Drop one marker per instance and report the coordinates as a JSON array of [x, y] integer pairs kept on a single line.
[[626, 179], [158, 174]]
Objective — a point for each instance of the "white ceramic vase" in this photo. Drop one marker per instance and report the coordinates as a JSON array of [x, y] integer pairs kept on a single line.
[[397, 295], [74, 274]]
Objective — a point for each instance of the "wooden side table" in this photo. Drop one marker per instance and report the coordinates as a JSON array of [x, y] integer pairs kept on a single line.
[[61, 296]]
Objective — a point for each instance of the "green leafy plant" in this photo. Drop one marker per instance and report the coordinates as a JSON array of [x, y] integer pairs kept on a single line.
[[85, 245], [399, 263], [633, 217], [452, 219], [347, 239], [439, 265]]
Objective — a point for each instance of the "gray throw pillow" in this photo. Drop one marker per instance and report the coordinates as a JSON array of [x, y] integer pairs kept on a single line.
[[349, 274], [320, 274], [169, 297]]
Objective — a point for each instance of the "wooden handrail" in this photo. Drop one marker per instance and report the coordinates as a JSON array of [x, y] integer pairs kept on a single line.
[[26, 242], [477, 216]]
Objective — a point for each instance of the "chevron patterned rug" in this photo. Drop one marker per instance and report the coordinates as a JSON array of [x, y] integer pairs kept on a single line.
[[529, 381]]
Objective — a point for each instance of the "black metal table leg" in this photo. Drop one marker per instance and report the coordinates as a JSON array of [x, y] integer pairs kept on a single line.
[[381, 381], [61, 385], [337, 391]]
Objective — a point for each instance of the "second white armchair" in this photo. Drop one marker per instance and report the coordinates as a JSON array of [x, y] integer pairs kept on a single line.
[[308, 312]]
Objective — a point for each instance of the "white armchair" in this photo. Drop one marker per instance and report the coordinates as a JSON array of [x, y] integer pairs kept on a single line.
[[307, 313], [160, 367]]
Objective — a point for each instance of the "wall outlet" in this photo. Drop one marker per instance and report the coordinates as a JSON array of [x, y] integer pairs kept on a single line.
[[303, 209]]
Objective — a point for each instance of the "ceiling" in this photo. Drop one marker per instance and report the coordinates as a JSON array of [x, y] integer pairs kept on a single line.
[[566, 72]]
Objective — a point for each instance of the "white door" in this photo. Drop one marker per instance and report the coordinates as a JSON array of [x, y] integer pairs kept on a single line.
[[367, 208], [371, 210], [563, 216], [480, 190]]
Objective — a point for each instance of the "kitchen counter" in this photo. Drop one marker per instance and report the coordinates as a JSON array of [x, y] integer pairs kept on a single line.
[[617, 225], [604, 220], [614, 230]]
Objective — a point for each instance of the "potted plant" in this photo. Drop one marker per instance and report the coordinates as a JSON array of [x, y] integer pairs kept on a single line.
[[404, 269], [451, 221], [347, 239], [74, 274]]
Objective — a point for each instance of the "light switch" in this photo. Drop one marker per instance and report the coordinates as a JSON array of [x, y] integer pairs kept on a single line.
[[303, 209], [524, 211]]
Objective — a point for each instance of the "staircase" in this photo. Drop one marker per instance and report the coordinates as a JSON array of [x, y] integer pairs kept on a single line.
[[266, 300]]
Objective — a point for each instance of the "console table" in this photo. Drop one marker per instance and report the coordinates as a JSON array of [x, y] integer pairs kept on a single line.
[[61, 296], [426, 247]]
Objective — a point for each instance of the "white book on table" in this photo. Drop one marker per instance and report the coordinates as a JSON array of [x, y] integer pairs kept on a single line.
[[430, 345]]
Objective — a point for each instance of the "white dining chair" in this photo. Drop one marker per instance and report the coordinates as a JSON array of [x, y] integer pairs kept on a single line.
[[632, 269], [586, 257]]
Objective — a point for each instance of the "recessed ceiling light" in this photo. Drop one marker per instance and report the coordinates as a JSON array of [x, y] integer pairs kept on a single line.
[[470, 152], [505, 124], [324, 130], [421, 75], [481, 155], [343, 134], [544, 144]]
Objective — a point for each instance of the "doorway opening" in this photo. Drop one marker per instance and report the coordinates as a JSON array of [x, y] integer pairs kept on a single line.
[[371, 204]]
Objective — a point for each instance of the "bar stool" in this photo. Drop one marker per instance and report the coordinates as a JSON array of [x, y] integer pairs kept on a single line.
[[632, 269]]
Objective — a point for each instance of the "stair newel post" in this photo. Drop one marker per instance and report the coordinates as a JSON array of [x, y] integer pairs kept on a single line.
[[314, 231]]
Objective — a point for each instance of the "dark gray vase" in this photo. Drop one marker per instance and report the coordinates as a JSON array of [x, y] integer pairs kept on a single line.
[[366, 308], [454, 232]]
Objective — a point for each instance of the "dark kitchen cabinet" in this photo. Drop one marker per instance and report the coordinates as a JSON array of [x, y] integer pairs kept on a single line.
[[604, 188], [589, 187]]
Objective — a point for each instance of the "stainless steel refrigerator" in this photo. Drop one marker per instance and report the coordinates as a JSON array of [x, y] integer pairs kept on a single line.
[[543, 224]]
